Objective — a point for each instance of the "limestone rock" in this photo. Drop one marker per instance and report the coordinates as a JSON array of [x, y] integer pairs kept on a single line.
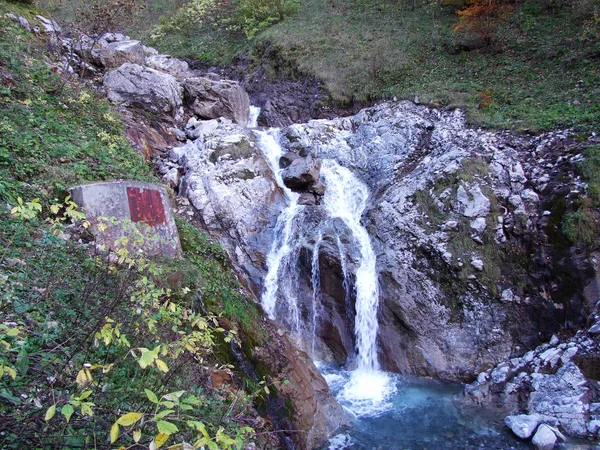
[[477, 263], [478, 225], [523, 425], [544, 438], [165, 63], [116, 53], [211, 99], [144, 88], [472, 203]]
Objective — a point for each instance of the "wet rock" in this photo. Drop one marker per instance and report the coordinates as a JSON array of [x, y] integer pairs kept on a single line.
[[302, 173], [211, 99], [307, 198], [523, 425], [287, 159], [141, 87], [544, 438]]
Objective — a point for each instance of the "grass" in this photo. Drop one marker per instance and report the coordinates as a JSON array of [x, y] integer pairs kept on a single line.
[[542, 72], [545, 75], [582, 225]]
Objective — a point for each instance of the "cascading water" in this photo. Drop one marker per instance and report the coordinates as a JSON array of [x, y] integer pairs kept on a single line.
[[282, 245], [316, 286], [345, 200]]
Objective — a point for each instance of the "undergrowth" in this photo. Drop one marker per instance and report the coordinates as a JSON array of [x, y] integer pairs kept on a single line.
[[98, 348]]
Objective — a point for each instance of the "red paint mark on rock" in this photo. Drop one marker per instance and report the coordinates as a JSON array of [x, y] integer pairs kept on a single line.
[[145, 205]]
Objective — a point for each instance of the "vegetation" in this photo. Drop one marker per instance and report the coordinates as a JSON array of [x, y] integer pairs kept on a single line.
[[582, 225], [100, 347]]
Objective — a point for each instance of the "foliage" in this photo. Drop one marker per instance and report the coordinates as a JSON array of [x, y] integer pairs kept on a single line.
[[583, 225], [96, 346], [482, 17]]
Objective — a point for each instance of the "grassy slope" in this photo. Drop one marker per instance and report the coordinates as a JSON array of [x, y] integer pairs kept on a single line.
[[544, 76], [55, 295], [543, 73]]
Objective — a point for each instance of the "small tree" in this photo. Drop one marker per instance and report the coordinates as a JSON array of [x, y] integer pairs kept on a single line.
[[482, 17]]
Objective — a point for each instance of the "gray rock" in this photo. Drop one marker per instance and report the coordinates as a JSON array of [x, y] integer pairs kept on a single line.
[[50, 26], [144, 88], [287, 159], [529, 195], [451, 225], [479, 225], [523, 425], [307, 198], [116, 53], [211, 99], [195, 128], [301, 173], [24, 23], [544, 438], [171, 178], [477, 263], [165, 63], [472, 203]]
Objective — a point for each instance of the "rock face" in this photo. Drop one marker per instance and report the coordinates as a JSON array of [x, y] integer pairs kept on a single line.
[[211, 99], [457, 229], [556, 384], [301, 173], [144, 88]]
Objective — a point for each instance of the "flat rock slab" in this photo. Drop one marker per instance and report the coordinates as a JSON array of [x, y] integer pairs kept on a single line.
[[139, 211]]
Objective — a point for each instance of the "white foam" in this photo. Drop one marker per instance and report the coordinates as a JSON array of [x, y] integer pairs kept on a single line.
[[367, 393], [253, 118]]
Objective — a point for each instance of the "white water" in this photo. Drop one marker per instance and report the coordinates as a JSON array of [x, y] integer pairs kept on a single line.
[[367, 389], [253, 119], [282, 244], [346, 198], [316, 286]]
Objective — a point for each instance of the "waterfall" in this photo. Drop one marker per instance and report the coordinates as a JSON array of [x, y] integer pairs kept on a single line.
[[253, 118], [282, 244], [316, 286], [346, 199]]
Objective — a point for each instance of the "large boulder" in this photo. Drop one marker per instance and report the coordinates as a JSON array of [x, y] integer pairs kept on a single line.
[[173, 66], [114, 54], [544, 438], [210, 98], [302, 173], [144, 88]]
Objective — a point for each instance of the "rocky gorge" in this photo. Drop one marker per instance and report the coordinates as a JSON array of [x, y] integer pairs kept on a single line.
[[476, 281]]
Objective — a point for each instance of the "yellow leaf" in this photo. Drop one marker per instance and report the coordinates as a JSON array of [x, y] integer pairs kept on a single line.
[[162, 365], [50, 413], [114, 432], [160, 439], [11, 372], [137, 434], [83, 377], [129, 419]]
